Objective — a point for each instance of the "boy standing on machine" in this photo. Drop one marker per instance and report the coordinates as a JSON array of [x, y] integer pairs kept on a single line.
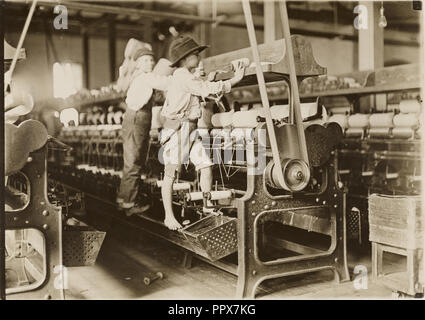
[[136, 126], [182, 109]]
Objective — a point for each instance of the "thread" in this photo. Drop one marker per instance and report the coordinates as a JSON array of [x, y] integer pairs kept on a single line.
[[409, 120], [381, 120], [354, 132], [403, 133], [194, 196], [247, 119], [219, 195], [307, 110], [410, 106], [380, 132], [341, 119], [358, 120], [223, 119]]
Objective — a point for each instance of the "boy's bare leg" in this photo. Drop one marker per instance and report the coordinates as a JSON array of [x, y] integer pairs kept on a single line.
[[205, 181], [167, 199]]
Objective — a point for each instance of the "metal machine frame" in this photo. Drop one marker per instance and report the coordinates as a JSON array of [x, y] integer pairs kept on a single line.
[[258, 205], [39, 214]]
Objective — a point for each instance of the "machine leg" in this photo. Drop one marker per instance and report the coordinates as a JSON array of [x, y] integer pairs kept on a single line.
[[341, 273], [376, 261], [341, 267], [412, 271], [246, 288]]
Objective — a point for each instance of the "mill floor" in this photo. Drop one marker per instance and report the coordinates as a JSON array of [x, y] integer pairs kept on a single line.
[[122, 264]]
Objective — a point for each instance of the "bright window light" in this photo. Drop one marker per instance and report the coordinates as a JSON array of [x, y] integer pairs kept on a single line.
[[69, 117], [67, 79]]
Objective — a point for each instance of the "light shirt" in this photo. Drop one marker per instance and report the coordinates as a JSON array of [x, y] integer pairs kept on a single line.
[[182, 100], [141, 89]]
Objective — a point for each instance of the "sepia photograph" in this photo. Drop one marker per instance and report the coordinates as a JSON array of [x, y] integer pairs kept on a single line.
[[212, 154]]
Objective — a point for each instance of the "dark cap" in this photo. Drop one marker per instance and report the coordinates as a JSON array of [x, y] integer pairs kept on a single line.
[[142, 52]]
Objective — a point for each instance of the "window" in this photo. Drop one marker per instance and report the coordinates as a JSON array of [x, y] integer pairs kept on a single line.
[[69, 116], [67, 79]]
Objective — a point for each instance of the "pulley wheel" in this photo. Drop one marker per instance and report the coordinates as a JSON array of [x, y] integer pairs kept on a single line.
[[296, 175]]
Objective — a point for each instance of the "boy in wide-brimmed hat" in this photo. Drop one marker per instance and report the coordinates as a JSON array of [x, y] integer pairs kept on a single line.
[[182, 109]]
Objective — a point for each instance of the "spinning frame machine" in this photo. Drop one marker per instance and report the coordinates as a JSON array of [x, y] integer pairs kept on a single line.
[[285, 192], [298, 187], [380, 152]]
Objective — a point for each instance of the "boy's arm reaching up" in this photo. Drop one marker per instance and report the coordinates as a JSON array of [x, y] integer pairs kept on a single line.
[[204, 88], [140, 90]]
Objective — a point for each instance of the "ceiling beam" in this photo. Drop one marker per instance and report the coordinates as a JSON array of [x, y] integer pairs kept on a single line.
[[329, 30], [130, 11], [76, 29], [14, 17]]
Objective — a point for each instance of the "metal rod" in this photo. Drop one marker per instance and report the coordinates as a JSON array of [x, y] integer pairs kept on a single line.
[[86, 56], [128, 11], [262, 87], [22, 38], [293, 79]]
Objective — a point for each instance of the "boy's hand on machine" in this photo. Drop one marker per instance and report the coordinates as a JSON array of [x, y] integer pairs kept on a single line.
[[199, 71], [239, 73], [211, 75]]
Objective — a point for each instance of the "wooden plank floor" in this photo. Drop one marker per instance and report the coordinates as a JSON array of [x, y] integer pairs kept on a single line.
[[122, 264]]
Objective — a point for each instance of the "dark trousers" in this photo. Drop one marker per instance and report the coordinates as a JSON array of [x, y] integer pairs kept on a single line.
[[135, 135]]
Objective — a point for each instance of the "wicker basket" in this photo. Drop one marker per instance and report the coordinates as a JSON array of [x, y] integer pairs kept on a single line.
[[81, 245], [213, 237]]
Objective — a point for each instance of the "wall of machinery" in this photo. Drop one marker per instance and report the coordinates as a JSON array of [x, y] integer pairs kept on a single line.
[[380, 150], [379, 154]]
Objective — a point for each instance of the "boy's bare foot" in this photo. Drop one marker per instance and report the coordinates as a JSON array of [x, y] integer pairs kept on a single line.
[[171, 223], [208, 210]]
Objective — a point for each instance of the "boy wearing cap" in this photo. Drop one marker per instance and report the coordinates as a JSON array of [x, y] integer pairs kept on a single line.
[[182, 109], [136, 125]]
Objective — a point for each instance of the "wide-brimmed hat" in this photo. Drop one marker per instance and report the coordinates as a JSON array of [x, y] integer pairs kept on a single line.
[[181, 47]]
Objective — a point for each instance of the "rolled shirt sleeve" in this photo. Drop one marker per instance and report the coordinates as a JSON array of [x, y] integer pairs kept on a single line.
[[183, 92], [158, 82], [141, 89], [205, 88]]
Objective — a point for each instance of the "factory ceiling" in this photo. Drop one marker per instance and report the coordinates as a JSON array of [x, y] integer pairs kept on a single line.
[[130, 17]]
